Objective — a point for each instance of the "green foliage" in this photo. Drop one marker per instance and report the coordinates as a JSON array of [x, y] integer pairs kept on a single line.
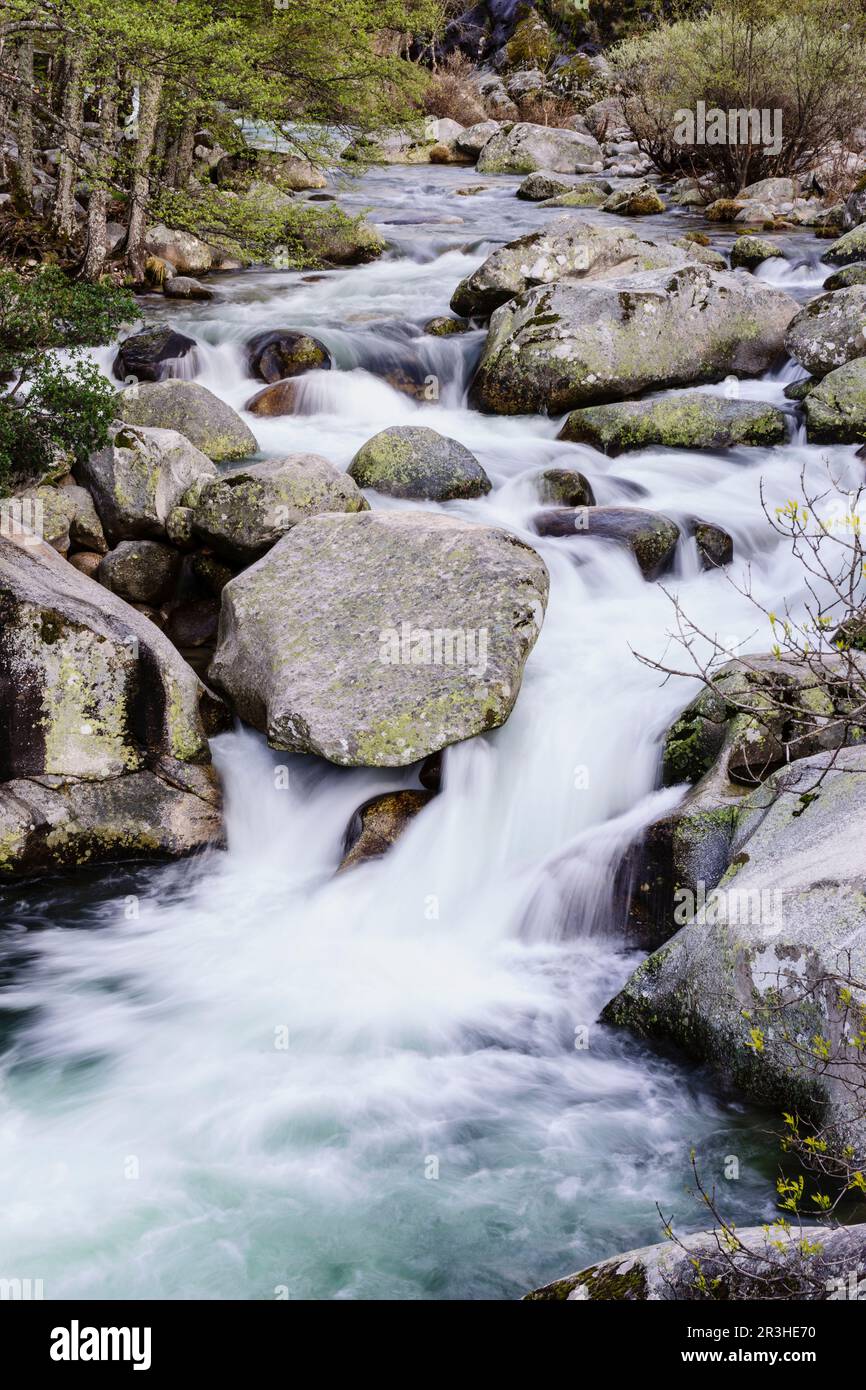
[[50, 406]]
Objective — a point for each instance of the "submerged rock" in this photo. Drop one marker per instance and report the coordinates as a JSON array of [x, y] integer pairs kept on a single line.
[[411, 461], [377, 824], [241, 513], [103, 753], [560, 346], [829, 331], [156, 354], [836, 407], [565, 487], [684, 420], [192, 410], [139, 477], [651, 537], [376, 639], [281, 352], [524, 148]]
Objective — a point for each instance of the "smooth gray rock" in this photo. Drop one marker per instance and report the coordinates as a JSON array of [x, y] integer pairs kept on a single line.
[[524, 147], [413, 461], [192, 410]]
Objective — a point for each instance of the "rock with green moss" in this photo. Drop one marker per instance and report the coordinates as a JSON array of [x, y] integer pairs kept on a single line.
[[568, 247], [682, 420], [799, 390], [565, 487], [763, 960], [585, 196], [192, 410], [376, 639], [379, 823], [560, 346], [698, 251], [849, 248], [854, 274], [651, 537], [639, 201], [141, 571], [836, 408], [279, 353], [104, 752], [524, 148], [139, 477], [413, 461], [748, 252], [65, 517], [701, 1266], [244, 511], [444, 327], [829, 331], [545, 184]]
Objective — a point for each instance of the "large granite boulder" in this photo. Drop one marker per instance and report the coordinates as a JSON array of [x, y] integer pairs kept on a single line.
[[67, 517], [849, 248], [413, 461], [682, 420], [187, 253], [568, 248], [523, 148], [243, 512], [138, 478], [569, 344], [103, 748], [650, 537], [829, 331], [836, 407], [192, 410], [376, 639], [279, 353], [154, 355]]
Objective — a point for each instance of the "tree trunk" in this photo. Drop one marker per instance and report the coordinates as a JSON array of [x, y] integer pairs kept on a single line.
[[24, 115], [185, 150], [95, 253], [63, 219], [140, 190]]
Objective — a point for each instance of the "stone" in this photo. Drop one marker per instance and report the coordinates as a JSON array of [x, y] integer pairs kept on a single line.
[[140, 571], [836, 407], [848, 248], [280, 353], [187, 253], [829, 330], [854, 274], [748, 252], [139, 477], [186, 287], [681, 420], [155, 354], [444, 327], [524, 147], [472, 140], [194, 411], [641, 201], [651, 537], [312, 645], [412, 461], [378, 824], [565, 487], [86, 562], [544, 184], [279, 399]]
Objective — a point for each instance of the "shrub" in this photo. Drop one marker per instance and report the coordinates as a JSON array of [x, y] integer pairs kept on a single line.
[[450, 92], [803, 59]]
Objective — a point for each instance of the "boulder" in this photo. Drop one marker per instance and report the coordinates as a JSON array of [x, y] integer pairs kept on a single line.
[[544, 184], [854, 274], [523, 148], [281, 352], [766, 1262], [651, 537], [444, 327], [86, 562], [748, 252], [68, 517], [565, 487], [187, 253], [849, 248], [715, 544], [762, 959], [140, 571], [103, 753], [681, 420], [773, 190], [376, 639], [836, 407], [412, 461], [377, 824], [193, 411], [559, 346], [607, 121], [854, 208], [193, 623], [186, 287], [155, 354], [138, 478], [567, 249], [829, 331], [641, 201], [585, 195], [279, 399], [243, 512], [472, 140]]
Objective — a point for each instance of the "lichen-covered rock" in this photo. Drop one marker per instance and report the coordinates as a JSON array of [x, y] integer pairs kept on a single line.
[[560, 346], [66, 517], [784, 927], [585, 195], [377, 824], [192, 410], [444, 327], [715, 544], [836, 407], [568, 248], [829, 331], [854, 207], [241, 513], [849, 248], [412, 461], [700, 1267], [544, 184], [187, 253], [565, 487], [140, 571], [154, 355], [472, 140], [103, 753], [139, 477], [748, 252], [651, 537], [682, 420], [854, 274], [641, 201], [524, 148], [313, 649], [281, 352]]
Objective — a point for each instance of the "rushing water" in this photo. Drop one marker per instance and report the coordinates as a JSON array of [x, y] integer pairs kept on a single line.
[[240, 1077]]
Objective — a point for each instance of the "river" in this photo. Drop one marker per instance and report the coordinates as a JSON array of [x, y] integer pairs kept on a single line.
[[240, 1077]]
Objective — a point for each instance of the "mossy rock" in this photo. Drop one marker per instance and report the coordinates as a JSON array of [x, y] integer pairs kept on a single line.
[[684, 420], [412, 461]]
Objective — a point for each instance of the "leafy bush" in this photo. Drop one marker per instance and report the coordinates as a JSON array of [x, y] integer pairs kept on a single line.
[[803, 59], [50, 408], [450, 92]]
